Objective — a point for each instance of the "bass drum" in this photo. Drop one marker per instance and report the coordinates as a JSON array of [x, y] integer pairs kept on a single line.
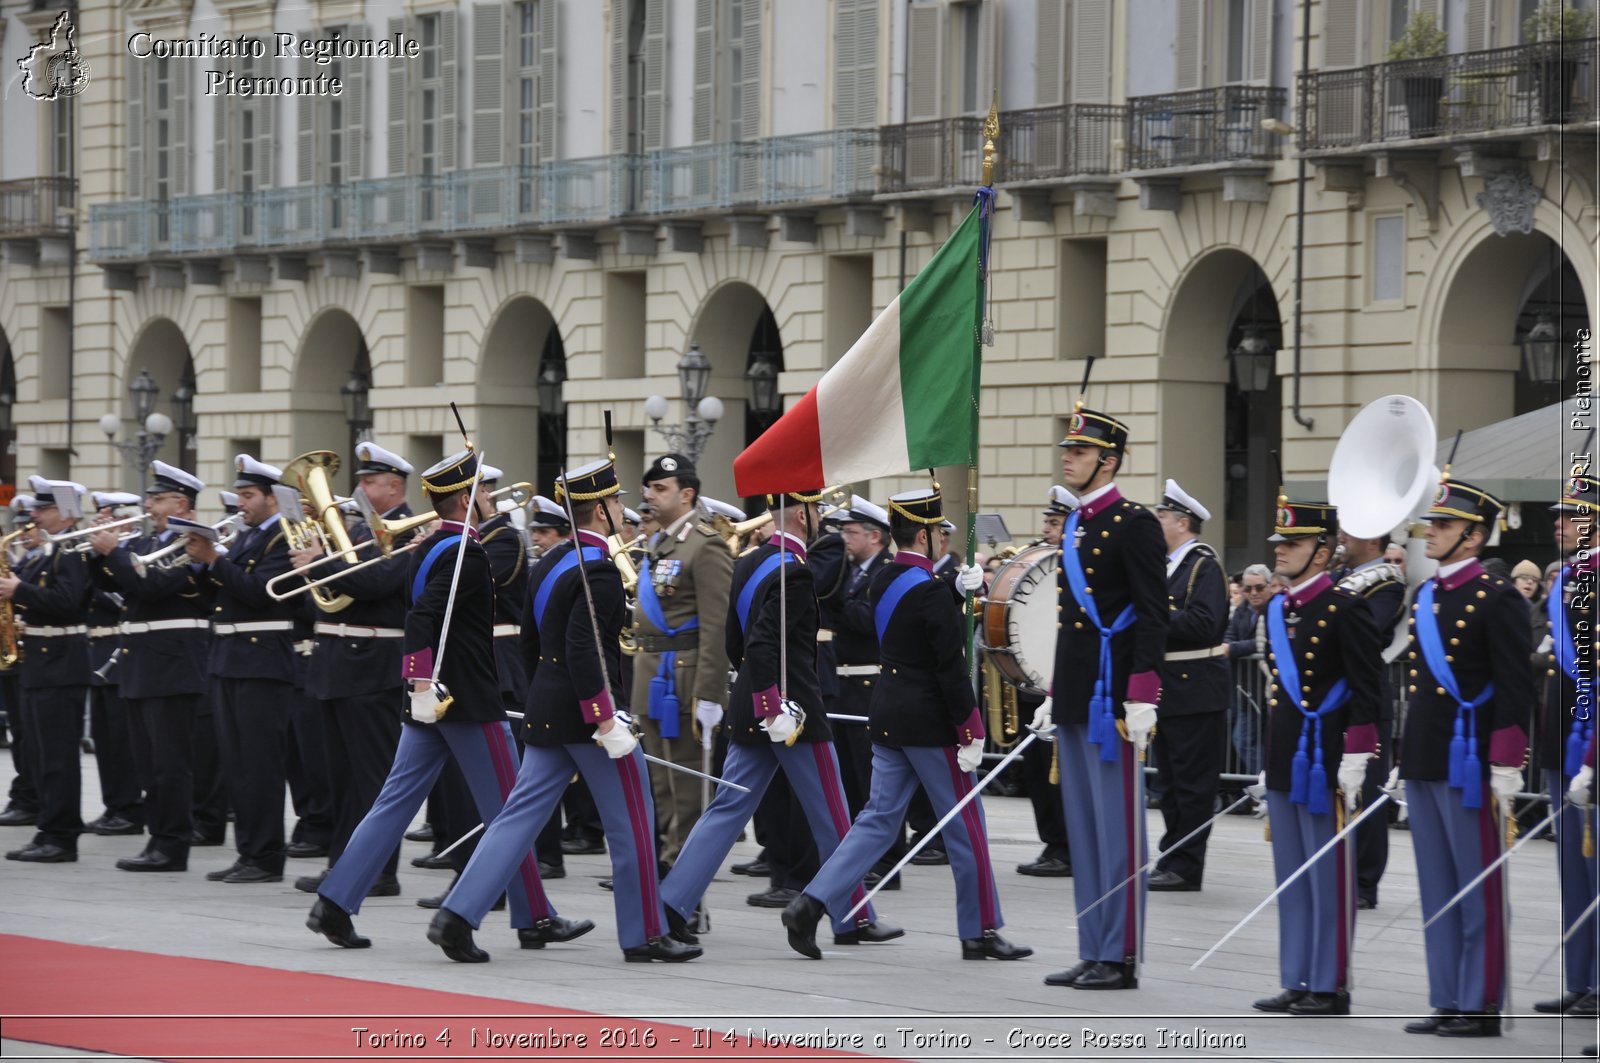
[[1019, 619]]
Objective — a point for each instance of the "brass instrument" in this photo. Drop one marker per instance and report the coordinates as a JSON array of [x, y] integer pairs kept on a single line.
[[174, 553], [77, 540], [310, 472], [622, 556], [384, 534], [521, 493], [10, 650], [731, 531]]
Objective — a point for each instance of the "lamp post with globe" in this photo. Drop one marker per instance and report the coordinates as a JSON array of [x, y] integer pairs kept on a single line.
[[153, 426], [701, 411]]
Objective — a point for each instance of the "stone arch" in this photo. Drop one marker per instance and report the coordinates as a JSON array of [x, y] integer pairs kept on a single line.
[[161, 348], [1219, 292], [724, 327], [333, 346], [521, 335]]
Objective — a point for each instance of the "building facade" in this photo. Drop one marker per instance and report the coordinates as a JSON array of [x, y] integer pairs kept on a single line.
[[574, 192]]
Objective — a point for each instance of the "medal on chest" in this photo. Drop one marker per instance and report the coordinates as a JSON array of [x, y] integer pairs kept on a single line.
[[666, 573], [1291, 621]]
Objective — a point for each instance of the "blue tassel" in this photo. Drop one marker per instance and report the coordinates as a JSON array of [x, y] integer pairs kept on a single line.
[[1472, 789], [1458, 754], [1099, 706], [1300, 775], [669, 716], [1317, 804], [1577, 743], [1110, 751]]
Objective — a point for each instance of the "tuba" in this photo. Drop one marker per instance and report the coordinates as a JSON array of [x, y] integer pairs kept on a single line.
[[310, 472]]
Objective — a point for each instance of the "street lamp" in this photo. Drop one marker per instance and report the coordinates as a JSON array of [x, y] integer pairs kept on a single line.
[[8, 400], [154, 427], [702, 411], [357, 409], [1252, 361], [552, 375], [1541, 351], [762, 379], [183, 409]]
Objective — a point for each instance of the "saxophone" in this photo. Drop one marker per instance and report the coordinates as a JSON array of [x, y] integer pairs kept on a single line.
[[10, 649]]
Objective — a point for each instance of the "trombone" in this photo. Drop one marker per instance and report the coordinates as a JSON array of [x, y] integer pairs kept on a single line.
[[227, 529], [384, 534], [77, 540]]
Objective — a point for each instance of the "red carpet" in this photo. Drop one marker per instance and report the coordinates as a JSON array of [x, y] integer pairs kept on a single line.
[[123, 1002]]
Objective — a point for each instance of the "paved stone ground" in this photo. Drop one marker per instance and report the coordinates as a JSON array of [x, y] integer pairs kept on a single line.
[[750, 979]]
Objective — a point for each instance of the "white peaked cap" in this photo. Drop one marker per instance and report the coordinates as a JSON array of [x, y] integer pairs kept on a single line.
[[370, 456], [733, 513], [861, 509], [1175, 497]]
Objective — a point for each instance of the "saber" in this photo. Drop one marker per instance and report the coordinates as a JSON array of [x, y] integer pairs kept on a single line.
[[1138, 814], [845, 718], [1486, 872], [1179, 844], [1286, 883], [447, 850], [928, 836], [455, 576], [1577, 923], [697, 774]]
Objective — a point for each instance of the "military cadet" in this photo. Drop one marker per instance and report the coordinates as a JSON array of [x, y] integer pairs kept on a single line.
[[162, 662], [454, 714], [1191, 744], [1567, 732], [252, 665], [1382, 586], [925, 728], [1323, 652], [50, 593], [354, 676], [571, 626], [1111, 639], [776, 720], [1470, 678], [120, 788], [22, 800], [1581, 794], [1055, 861], [680, 677]]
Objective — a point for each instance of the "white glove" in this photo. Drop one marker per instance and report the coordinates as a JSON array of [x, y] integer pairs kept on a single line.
[[969, 756], [618, 742], [425, 704], [1546, 644], [1352, 776], [1258, 789], [1392, 785], [709, 713], [1140, 719], [1044, 718], [1578, 791], [971, 578], [785, 727], [1506, 782]]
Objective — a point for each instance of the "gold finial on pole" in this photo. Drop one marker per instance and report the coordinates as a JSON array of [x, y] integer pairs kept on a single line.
[[991, 133]]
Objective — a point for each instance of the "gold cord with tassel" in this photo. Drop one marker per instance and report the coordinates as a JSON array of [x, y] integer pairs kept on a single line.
[[1055, 763], [1588, 834]]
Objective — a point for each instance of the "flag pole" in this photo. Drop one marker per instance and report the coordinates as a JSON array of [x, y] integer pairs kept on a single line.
[[982, 334]]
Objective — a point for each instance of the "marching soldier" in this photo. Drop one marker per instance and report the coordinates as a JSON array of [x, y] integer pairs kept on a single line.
[[252, 663], [547, 525], [1112, 634], [161, 665], [474, 733], [925, 728], [681, 671], [1567, 733], [120, 788], [22, 800], [1471, 685], [1382, 586], [776, 720], [354, 676], [1191, 744], [1056, 859], [571, 625], [1323, 651], [50, 593]]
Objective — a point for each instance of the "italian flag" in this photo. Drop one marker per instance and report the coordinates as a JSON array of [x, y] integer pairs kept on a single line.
[[904, 397]]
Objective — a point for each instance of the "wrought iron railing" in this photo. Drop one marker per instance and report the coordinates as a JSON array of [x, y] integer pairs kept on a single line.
[[1203, 126], [1079, 138], [1527, 86], [37, 206], [806, 167]]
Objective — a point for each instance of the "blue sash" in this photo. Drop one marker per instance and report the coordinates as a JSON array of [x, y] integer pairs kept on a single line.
[[1102, 717], [891, 597], [747, 595], [1567, 658], [1466, 774], [1308, 776], [420, 581], [664, 684], [568, 561]]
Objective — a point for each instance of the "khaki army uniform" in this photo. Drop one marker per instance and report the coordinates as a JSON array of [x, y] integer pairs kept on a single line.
[[692, 570]]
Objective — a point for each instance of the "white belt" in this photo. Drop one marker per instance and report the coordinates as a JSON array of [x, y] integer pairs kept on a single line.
[[306, 647], [103, 632], [859, 669], [1198, 655], [824, 634], [353, 631], [144, 627], [506, 630], [250, 626], [32, 632]]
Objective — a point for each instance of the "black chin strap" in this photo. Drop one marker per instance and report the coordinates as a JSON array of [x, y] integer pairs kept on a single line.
[[1322, 540], [1460, 542]]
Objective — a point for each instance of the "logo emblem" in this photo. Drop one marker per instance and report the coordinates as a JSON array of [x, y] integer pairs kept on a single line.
[[1441, 496], [1078, 423], [669, 464], [1285, 517], [55, 69]]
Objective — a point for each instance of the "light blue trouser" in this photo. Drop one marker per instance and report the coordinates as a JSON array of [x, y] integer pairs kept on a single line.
[[1467, 946]]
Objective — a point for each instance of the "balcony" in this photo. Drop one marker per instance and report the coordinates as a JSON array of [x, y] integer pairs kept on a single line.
[[1203, 127], [1035, 145], [1495, 94], [37, 220]]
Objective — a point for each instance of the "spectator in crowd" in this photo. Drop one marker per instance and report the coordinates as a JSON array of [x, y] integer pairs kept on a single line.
[[1395, 554], [1526, 576], [1244, 630], [1235, 594]]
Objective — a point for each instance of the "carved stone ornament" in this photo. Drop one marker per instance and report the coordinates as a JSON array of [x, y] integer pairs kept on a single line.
[[1510, 197]]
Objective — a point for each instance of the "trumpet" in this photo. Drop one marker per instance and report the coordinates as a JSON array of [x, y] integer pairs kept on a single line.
[[168, 556], [521, 493], [77, 540]]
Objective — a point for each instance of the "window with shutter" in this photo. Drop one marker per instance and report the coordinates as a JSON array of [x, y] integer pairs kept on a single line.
[[1259, 70], [488, 90], [1191, 44], [398, 154], [447, 89], [549, 80], [705, 75], [1050, 54], [855, 63], [1091, 51], [1340, 107], [619, 14], [181, 161], [923, 149], [353, 110], [1480, 28], [1341, 33], [652, 124], [305, 128], [745, 117], [134, 80]]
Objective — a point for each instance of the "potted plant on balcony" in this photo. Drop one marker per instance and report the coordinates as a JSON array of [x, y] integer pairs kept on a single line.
[[1421, 84], [1556, 28]]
